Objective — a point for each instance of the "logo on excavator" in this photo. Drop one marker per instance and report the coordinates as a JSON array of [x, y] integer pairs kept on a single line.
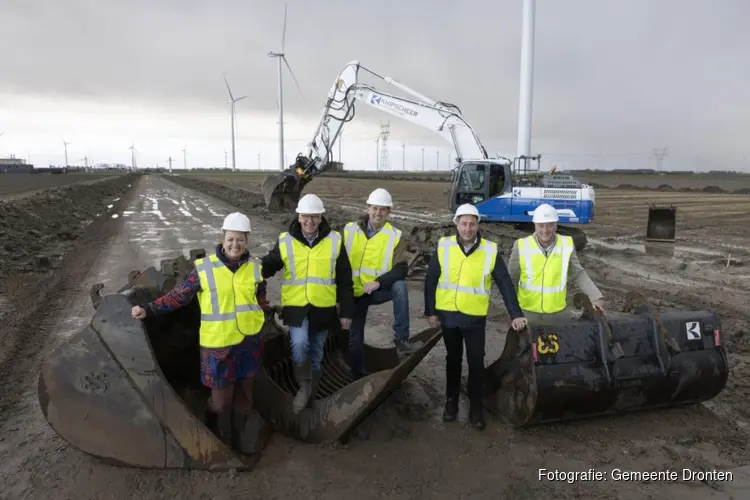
[[693, 329], [379, 100], [547, 343]]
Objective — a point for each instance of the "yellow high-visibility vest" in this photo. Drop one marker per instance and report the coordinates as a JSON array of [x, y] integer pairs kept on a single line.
[[309, 273], [229, 307], [369, 257], [543, 284], [465, 282]]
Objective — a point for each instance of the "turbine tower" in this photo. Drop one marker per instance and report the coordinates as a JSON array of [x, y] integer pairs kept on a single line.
[[234, 118], [132, 155], [65, 145], [184, 157], [279, 57], [527, 81]]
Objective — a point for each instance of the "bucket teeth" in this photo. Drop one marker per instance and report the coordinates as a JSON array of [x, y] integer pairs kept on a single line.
[[134, 384]]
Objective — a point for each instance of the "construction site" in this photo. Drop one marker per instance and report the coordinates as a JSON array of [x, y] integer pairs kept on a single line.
[[70, 426]]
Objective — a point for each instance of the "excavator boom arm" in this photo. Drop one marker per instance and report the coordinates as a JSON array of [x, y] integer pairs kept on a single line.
[[445, 119], [442, 118]]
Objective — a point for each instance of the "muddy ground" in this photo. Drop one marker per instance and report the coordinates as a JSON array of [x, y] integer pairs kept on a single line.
[[403, 450]]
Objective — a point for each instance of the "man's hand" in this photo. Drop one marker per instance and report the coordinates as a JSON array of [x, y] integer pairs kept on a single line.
[[598, 305], [345, 323], [371, 286], [433, 321], [519, 324]]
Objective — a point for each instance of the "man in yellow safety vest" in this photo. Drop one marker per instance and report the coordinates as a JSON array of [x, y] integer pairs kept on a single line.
[[379, 266], [542, 264], [317, 275], [457, 297]]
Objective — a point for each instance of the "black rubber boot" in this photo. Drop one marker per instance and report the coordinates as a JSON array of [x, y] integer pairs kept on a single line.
[[476, 416], [223, 427], [314, 388], [451, 410], [250, 432]]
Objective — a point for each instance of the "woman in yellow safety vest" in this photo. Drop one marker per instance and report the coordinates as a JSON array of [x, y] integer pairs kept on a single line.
[[231, 293]]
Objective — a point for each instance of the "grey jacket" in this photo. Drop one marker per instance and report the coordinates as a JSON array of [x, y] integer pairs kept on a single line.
[[576, 272]]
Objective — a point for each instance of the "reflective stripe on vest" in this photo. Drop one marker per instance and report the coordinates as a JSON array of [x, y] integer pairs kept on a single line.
[[543, 284], [371, 257], [465, 282], [309, 273], [229, 307]]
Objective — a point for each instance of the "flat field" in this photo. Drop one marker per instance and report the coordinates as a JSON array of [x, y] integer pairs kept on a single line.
[[21, 183]]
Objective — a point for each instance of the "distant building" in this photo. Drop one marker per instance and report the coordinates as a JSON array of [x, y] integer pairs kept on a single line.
[[15, 165]]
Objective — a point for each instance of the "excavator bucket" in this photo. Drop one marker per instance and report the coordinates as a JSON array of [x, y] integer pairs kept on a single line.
[[281, 191], [661, 224], [568, 370], [128, 391]]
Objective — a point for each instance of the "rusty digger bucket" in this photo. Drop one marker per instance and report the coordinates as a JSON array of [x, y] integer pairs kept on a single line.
[[129, 392], [662, 224], [572, 370]]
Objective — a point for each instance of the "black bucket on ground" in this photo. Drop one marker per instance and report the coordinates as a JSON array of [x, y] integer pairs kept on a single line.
[[567, 371], [662, 224], [129, 391]]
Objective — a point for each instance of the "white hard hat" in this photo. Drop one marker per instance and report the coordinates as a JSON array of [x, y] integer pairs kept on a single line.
[[310, 204], [381, 198], [545, 213], [466, 209], [236, 222]]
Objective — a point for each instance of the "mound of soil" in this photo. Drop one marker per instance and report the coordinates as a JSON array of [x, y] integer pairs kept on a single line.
[[713, 189], [37, 230], [742, 191], [665, 187], [631, 187]]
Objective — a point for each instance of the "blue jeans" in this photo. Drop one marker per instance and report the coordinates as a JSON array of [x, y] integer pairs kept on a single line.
[[399, 294], [304, 347]]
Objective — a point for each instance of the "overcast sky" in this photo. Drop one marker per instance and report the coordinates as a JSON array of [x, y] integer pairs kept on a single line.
[[613, 79]]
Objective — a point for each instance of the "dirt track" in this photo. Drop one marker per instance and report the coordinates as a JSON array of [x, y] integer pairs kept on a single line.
[[392, 456]]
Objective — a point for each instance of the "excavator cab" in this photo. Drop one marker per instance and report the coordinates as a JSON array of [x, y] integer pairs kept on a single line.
[[475, 182]]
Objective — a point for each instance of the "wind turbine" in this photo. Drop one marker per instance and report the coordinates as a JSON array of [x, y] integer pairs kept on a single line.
[[279, 57], [184, 157], [233, 101], [65, 145], [132, 155]]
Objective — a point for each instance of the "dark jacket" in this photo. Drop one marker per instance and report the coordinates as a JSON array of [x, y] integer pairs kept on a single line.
[[400, 261], [454, 319], [320, 318]]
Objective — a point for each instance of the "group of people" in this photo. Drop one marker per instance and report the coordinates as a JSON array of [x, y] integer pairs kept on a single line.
[[330, 276]]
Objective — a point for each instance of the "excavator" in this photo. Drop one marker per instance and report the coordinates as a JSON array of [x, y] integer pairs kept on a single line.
[[504, 191]]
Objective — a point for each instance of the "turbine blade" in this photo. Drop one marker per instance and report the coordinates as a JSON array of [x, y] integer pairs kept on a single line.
[[227, 84], [293, 77], [240, 98], [283, 31]]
